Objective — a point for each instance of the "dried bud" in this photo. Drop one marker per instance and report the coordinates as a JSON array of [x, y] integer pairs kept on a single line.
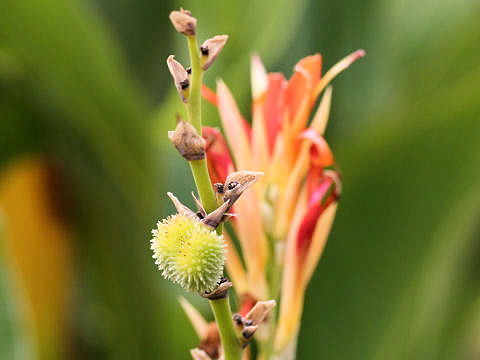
[[220, 292], [187, 141], [184, 22], [181, 209], [238, 182], [180, 77], [211, 48], [260, 311], [218, 216], [248, 331], [211, 343], [201, 213], [198, 354]]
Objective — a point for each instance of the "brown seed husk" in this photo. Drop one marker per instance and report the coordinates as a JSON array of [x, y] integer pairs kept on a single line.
[[198, 354], [184, 22], [187, 141], [211, 343]]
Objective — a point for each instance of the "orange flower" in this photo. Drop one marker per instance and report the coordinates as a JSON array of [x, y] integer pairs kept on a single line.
[[283, 226]]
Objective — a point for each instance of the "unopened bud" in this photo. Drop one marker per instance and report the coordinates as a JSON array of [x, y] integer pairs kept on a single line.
[[180, 77], [187, 141], [211, 48], [184, 22]]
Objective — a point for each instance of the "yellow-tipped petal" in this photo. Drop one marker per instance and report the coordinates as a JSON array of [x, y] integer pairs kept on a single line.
[[292, 292], [234, 126], [200, 325], [291, 190], [319, 240], [337, 69], [235, 267], [320, 119], [258, 76], [249, 228]]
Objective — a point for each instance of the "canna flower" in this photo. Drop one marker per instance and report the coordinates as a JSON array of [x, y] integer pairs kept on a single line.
[[282, 226]]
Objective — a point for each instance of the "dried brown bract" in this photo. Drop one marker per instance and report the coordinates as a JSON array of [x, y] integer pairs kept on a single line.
[[211, 48], [179, 75]]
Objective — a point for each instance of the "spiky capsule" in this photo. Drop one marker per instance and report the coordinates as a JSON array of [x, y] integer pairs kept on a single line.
[[188, 253]]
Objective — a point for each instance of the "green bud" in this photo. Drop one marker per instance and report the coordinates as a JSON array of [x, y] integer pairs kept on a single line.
[[188, 253]]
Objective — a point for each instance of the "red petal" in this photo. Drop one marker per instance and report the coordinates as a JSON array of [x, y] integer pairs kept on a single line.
[[219, 161], [320, 198], [209, 95], [247, 304], [320, 153]]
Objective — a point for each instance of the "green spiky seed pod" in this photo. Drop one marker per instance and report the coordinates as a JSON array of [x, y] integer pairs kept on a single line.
[[188, 253]]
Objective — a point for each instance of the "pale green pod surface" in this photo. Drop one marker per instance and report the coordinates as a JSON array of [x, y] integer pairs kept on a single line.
[[188, 253]]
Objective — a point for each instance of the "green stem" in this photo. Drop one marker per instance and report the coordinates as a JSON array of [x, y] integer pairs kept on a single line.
[[194, 105], [223, 316], [204, 186], [194, 112], [220, 307]]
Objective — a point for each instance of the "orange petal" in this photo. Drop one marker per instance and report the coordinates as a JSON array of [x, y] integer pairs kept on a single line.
[[209, 95], [335, 70], [291, 291], [317, 244], [235, 126], [273, 107], [320, 119], [248, 225], [298, 101], [306, 77], [235, 267]]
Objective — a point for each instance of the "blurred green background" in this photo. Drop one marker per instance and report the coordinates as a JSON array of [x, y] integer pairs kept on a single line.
[[84, 84]]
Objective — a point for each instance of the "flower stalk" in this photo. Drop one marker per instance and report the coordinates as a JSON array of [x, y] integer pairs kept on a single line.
[[220, 305], [223, 316], [194, 111], [280, 229]]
